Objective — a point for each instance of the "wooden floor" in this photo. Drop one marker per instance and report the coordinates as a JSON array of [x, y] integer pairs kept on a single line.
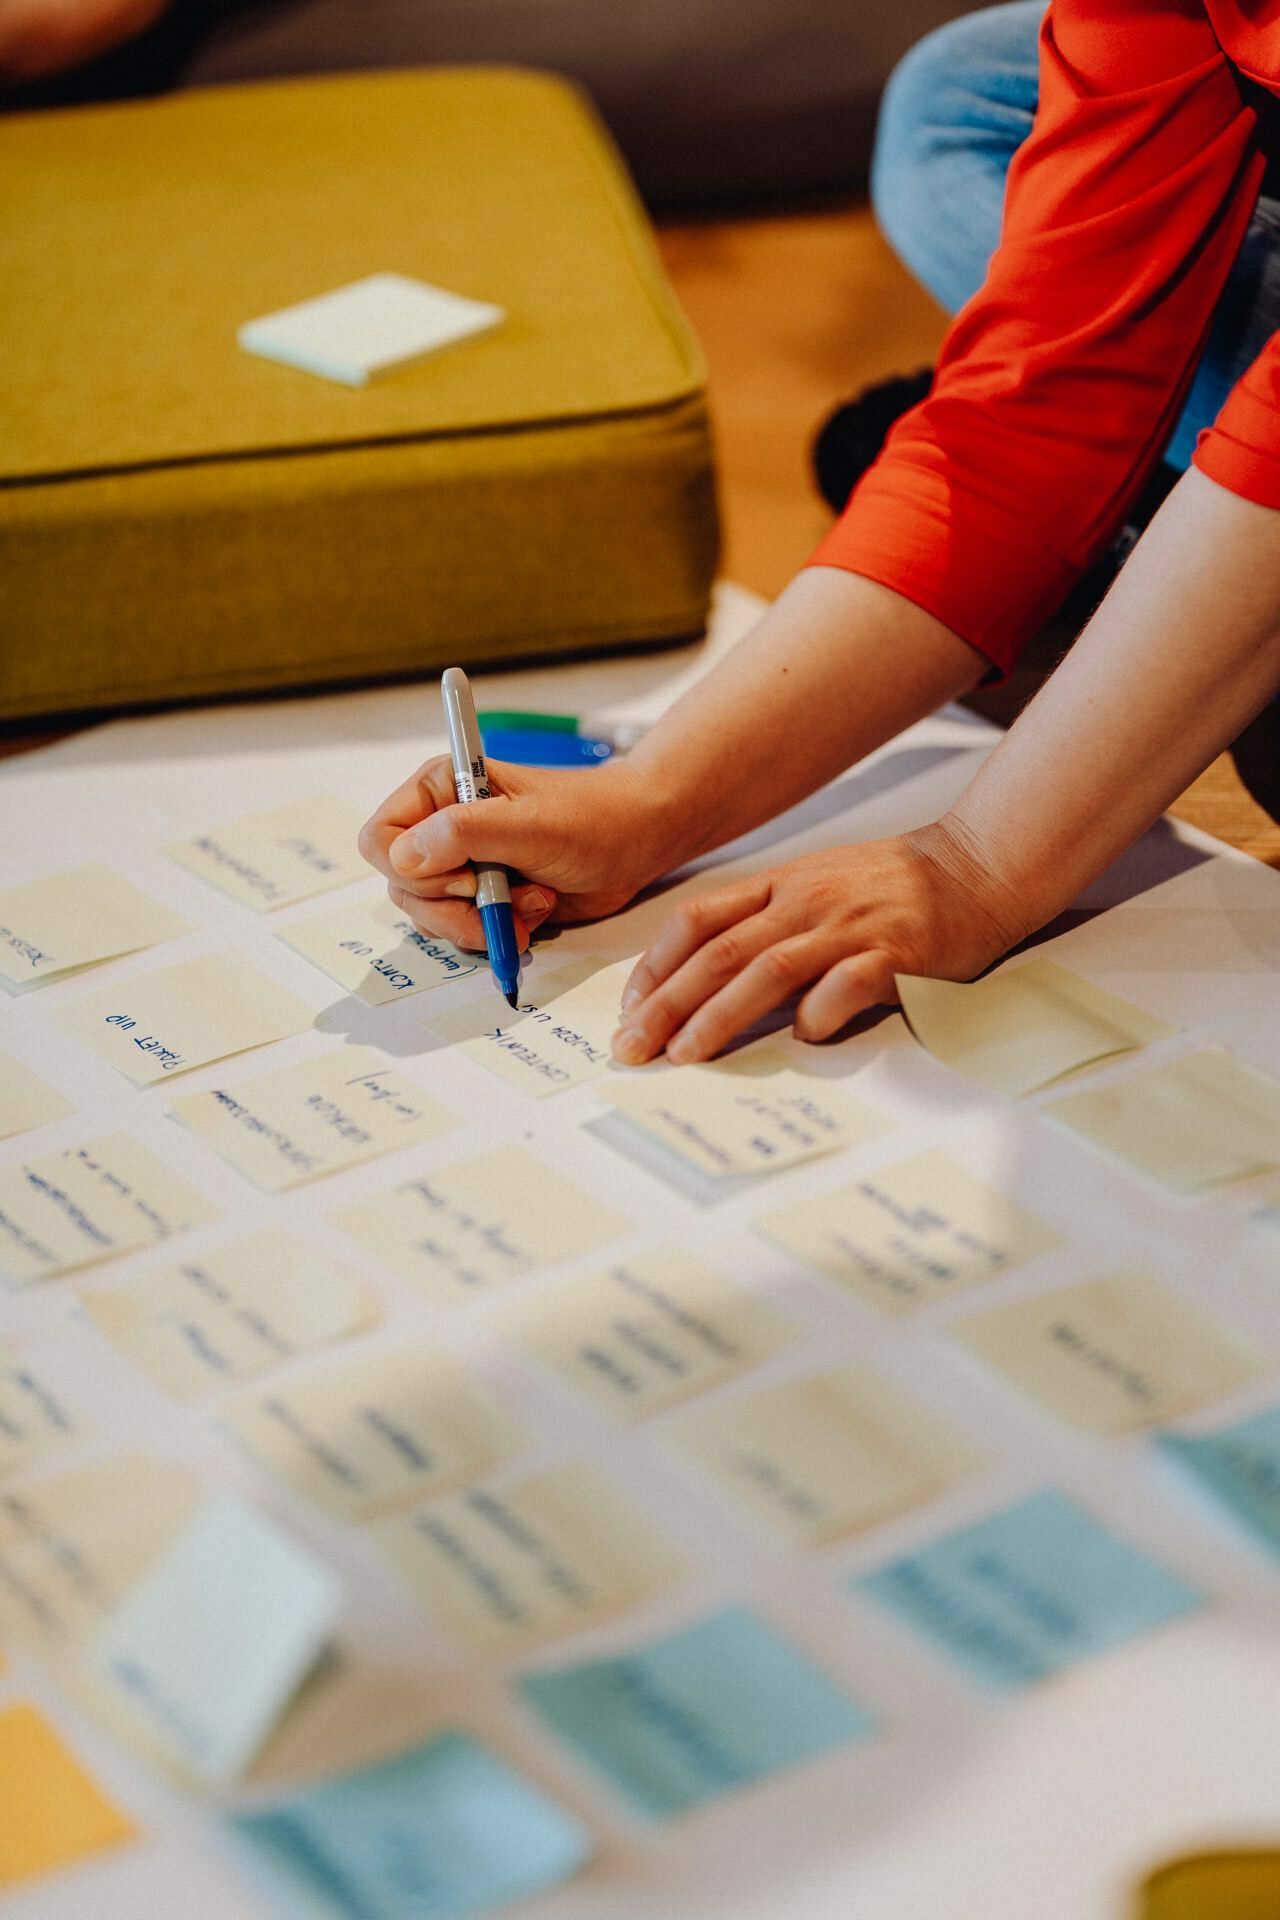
[[795, 313]]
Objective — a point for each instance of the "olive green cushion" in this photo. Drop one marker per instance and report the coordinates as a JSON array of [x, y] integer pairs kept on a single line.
[[1214, 1886], [180, 518]]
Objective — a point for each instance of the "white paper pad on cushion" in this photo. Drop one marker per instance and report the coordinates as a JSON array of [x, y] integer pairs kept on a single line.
[[367, 328]]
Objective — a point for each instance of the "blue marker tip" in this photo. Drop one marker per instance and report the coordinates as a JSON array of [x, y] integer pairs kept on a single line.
[[504, 954]]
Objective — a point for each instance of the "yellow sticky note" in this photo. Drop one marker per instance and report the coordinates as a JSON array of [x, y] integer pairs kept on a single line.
[[374, 950], [645, 1332], [170, 1021], [561, 1045], [814, 1459], [84, 1204], [479, 1222], [1200, 1122], [266, 860], [51, 1813], [1113, 1355], [910, 1233], [35, 1417], [374, 1428], [70, 920], [73, 1543], [318, 1116], [548, 1555], [241, 1309], [1025, 1026], [751, 1114], [25, 1101]]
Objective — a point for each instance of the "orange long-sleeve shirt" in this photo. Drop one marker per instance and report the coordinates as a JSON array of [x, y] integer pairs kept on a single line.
[[1060, 381]]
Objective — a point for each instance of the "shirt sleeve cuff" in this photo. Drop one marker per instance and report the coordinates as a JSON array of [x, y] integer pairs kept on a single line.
[[953, 554], [1241, 450]]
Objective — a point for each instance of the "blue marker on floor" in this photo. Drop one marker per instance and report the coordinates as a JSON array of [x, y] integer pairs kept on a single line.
[[471, 782]]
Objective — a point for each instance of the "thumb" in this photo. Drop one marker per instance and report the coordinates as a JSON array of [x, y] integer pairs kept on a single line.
[[502, 831]]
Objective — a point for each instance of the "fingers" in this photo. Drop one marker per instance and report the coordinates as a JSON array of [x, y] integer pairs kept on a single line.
[[689, 928], [430, 788], [859, 981], [649, 1027], [509, 832], [455, 921]]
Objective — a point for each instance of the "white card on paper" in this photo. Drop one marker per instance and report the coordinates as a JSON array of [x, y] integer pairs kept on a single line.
[[375, 1427], [317, 1116], [73, 1208], [558, 1046], [368, 328], [749, 1114], [271, 859], [177, 1018], [71, 920], [479, 1222], [1024, 1027], [242, 1308], [218, 1635], [374, 950]]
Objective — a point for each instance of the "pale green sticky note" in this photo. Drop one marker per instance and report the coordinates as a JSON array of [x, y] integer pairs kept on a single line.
[[723, 1703], [1030, 1591], [217, 1636]]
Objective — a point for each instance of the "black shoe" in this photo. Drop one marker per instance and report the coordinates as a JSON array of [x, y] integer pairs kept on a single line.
[[1257, 757], [847, 443]]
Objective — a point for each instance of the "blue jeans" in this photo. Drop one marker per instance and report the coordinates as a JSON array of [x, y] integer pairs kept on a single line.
[[955, 111]]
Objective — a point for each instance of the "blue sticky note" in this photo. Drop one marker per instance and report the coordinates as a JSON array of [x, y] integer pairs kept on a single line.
[[441, 1832], [721, 1704], [1030, 1591], [1240, 1465]]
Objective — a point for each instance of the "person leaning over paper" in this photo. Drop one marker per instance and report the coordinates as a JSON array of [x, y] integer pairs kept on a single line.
[[1057, 389]]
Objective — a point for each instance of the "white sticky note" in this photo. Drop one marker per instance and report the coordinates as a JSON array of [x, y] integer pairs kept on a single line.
[[84, 1204], [25, 1101], [750, 1114], [479, 1222], [373, 1428], [832, 1454], [561, 1045], [910, 1233], [218, 1635], [1024, 1027], [70, 920], [645, 1332], [241, 1309], [315, 1117], [177, 1018], [375, 951], [1113, 1355], [1200, 1122], [270, 859], [368, 328], [504, 1567], [34, 1417]]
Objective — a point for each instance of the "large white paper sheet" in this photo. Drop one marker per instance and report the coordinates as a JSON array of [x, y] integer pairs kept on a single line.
[[1052, 1806]]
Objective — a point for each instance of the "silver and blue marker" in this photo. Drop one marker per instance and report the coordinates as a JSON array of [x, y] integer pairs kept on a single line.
[[471, 782]]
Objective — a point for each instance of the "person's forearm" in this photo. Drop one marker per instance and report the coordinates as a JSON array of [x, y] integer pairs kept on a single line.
[[836, 667], [1180, 656]]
